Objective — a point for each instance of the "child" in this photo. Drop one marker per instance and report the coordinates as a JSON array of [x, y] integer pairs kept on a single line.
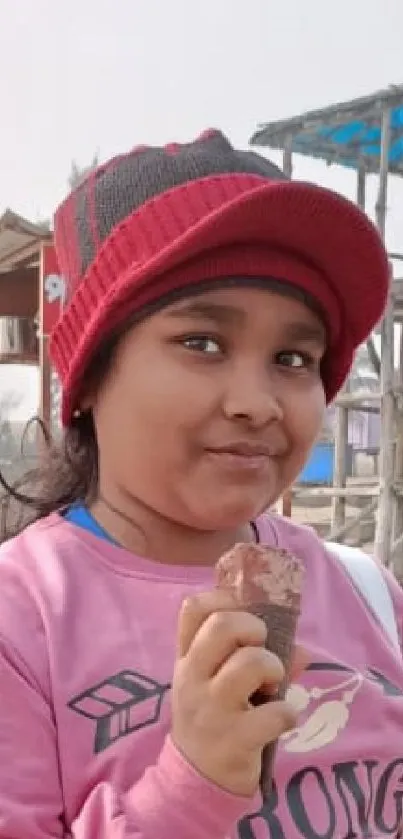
[[213, 310]]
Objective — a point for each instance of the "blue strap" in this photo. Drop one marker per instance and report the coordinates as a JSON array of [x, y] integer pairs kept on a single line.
[[79, 515]]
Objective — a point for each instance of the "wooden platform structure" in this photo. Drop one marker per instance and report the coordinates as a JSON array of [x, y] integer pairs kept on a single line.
[[27, 260], [366, 135]]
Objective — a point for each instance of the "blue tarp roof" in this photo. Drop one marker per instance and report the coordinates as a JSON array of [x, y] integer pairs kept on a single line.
[[348, 133]]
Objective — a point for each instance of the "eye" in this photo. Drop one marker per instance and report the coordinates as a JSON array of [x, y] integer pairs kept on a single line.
[[297, 360], [205, 344]]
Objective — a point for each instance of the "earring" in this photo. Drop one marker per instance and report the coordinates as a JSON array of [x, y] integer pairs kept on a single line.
[[76, 413]]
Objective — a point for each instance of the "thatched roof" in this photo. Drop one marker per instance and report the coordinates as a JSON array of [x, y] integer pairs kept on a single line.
[[20, 240], [347, 133]]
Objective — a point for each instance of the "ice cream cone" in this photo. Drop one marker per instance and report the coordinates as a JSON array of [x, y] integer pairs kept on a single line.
[[267, 583]]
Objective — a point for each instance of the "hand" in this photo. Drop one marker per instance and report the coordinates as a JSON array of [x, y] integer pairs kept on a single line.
[[221, 662]]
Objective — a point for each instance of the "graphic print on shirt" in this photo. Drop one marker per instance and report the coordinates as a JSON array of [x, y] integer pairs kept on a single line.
[[128, 701], [120, 705], [325, 712], [360, 797]]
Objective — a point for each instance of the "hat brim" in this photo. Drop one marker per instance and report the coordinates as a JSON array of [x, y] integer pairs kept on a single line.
[[325, 229]]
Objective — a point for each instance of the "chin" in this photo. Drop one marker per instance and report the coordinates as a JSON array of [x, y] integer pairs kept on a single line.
[[228, 516]]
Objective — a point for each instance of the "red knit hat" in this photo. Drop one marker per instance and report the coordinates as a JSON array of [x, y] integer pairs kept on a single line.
[[159, 220]]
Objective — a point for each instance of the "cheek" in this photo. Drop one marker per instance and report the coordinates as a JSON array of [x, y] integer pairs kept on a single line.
[[140, 413], [305, 418]]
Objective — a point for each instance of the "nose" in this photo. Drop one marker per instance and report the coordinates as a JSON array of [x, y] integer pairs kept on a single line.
[[251, 397]]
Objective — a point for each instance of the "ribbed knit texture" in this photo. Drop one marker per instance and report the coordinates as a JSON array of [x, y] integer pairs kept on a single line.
[[163, 219]]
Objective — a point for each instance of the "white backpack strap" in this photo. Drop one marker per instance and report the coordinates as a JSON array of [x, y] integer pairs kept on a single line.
[[371, 584]]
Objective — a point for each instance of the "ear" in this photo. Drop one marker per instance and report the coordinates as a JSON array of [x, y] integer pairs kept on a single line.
[[88, 399], [87, 403]]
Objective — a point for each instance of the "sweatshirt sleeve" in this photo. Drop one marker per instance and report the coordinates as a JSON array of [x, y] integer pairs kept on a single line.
[[171, 801]]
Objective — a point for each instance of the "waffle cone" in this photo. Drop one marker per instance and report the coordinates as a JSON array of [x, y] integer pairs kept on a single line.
[[281, 624], [267, 583]]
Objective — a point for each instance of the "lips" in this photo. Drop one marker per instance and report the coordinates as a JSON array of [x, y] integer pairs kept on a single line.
[[248, 450], [245, 458]]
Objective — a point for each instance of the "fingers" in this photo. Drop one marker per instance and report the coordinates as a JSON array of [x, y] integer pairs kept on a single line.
[[249, 669], [221, 635], [212, 627], [266, 723], [194, 612]]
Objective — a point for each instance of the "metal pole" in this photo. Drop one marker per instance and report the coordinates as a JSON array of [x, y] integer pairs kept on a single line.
[[384, 525]]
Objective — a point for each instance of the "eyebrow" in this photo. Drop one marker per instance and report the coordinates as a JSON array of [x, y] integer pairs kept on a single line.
[[313, 333], [221, 313], [217, 312]]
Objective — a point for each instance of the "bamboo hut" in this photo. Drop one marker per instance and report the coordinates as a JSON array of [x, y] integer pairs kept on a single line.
[[365, 135]]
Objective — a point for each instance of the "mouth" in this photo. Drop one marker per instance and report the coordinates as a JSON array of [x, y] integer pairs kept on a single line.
[[244, 456]]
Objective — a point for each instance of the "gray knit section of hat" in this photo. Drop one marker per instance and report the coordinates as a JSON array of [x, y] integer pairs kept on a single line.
[[127, 182]]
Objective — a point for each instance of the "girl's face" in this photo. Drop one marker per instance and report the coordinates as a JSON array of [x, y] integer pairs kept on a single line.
[[211, 407]]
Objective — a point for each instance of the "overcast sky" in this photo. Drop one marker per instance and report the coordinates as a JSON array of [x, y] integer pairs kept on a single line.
[[89, 76]]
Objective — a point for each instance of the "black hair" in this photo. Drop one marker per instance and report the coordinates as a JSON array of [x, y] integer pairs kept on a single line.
[[67, 469]]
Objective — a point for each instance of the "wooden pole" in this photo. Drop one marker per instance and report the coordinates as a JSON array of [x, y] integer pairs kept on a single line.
[[361, 198], [383, 534], [284, 505], [381, 203], [44, 366], [373, 356], [338, 508], [397, 543], [287, 156], [361, 186], [338, 535], [45, 381], [367, 490]]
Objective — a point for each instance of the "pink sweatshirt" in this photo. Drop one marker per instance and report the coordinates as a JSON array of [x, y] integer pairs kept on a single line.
[[87, 639]]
